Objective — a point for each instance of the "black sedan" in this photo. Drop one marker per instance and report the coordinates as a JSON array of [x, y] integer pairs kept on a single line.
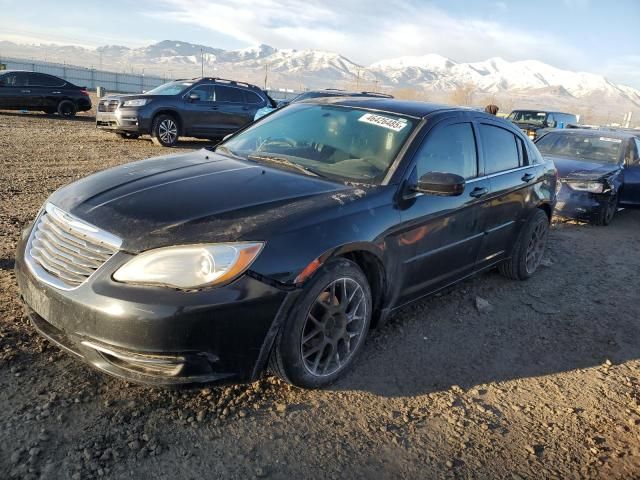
[[599, 171], [285, 244], [21, 90]]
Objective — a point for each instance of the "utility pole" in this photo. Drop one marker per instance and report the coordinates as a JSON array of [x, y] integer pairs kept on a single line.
[[358, 79], [201, 62], [266, 75]]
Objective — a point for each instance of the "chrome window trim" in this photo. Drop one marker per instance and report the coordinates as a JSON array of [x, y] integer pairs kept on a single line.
[[83, 228]]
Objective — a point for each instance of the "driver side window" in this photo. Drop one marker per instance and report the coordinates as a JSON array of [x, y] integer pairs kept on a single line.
[[449, 149], [205, 92]]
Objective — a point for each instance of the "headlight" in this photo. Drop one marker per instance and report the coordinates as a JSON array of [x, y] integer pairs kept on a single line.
[[593, 187], [189, 266], [135, 103], [531, 134]]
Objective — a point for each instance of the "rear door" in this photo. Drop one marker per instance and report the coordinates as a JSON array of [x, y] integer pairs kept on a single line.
[[513, 179], [630, 194], [47, 90], [440, 236], [233, 112]]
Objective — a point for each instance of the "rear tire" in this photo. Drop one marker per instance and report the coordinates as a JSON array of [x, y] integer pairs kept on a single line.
[[326, 328], [128, 136], [606, 213], [529, 248], [164, 131], [66, 108]]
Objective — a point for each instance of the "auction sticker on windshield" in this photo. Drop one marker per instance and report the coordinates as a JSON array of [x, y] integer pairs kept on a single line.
[[380, 120], [607, 139]]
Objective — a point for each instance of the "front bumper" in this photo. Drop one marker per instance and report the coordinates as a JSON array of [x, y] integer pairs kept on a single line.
[[123, 120], [156, 335], [580, 205]]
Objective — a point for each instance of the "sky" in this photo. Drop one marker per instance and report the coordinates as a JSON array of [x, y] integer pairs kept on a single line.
[[586, 35]]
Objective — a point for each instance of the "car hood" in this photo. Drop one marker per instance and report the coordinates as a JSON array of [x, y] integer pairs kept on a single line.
[[579, 169], [197, 197]]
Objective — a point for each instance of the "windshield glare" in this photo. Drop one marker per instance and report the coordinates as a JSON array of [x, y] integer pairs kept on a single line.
[[528, 117], [591, 148], [171, 88], [342, 143]]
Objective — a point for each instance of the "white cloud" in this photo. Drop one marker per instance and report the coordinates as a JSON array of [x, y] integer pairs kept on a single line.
[[365, 31]]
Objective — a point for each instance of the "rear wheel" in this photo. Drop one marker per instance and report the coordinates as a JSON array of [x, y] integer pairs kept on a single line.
[[529, 248], [66, 108], [164, 131], [327, 327], [607, 212], [128, 136]]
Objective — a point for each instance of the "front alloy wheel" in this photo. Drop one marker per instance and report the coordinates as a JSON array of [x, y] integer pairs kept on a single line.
[[334, 327], [326, 328], [164, 131]]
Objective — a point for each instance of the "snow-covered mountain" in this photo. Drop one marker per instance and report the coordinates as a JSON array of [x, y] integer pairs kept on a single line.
[[319, 69]]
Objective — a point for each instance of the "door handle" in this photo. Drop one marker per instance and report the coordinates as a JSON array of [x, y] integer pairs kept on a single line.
[[527, 177], [479, 192], [25, 91], [55, 92], [214, 108]]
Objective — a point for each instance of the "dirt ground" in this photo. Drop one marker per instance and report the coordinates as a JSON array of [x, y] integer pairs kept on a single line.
[[544, 385]]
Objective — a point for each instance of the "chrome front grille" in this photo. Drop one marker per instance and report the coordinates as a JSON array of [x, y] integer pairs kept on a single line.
[[108, 105], [64, 251]]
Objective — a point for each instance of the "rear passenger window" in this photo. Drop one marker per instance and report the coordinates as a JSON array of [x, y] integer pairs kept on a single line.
[[449, 149], [252, 97], [41, 80], [229, 94], [500, 149]]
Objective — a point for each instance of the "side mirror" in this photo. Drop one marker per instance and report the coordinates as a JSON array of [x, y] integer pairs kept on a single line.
[[442, 184], [552, 124], [194, 97]]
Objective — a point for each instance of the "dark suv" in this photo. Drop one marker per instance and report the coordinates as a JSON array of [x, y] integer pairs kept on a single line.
[[22, 90], [535, 123], [201, 107], [282, 245]]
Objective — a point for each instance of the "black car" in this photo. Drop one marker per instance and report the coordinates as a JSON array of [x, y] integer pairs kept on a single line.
[[21, 90], [285, 244], [330, 92], [599, 171], [200, 107], [535, 123]]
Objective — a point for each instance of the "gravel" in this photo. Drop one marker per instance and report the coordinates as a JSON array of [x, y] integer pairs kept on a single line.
[[544, 384]]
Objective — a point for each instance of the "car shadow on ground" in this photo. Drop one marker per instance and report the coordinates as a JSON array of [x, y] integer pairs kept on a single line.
[[78, 118], [568, 316]]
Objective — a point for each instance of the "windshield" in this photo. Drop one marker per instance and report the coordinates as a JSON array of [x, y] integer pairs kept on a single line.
[[528, 116], [171, 88], [342, 143], [590, 148]]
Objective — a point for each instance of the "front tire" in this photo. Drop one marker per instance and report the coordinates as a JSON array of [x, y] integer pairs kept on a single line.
[[529, 248], [66, 108], [326, 328], [164, 131], [607, 212]]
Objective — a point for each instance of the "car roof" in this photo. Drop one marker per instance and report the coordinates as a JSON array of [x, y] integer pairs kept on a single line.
[[594, 132], [389, 105], [409, 108]]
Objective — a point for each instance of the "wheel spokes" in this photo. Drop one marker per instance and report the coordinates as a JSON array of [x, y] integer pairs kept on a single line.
[[333, 330]]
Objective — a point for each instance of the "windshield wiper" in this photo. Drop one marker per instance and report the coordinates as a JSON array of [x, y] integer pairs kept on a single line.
[[286, 162], [225, 151]]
